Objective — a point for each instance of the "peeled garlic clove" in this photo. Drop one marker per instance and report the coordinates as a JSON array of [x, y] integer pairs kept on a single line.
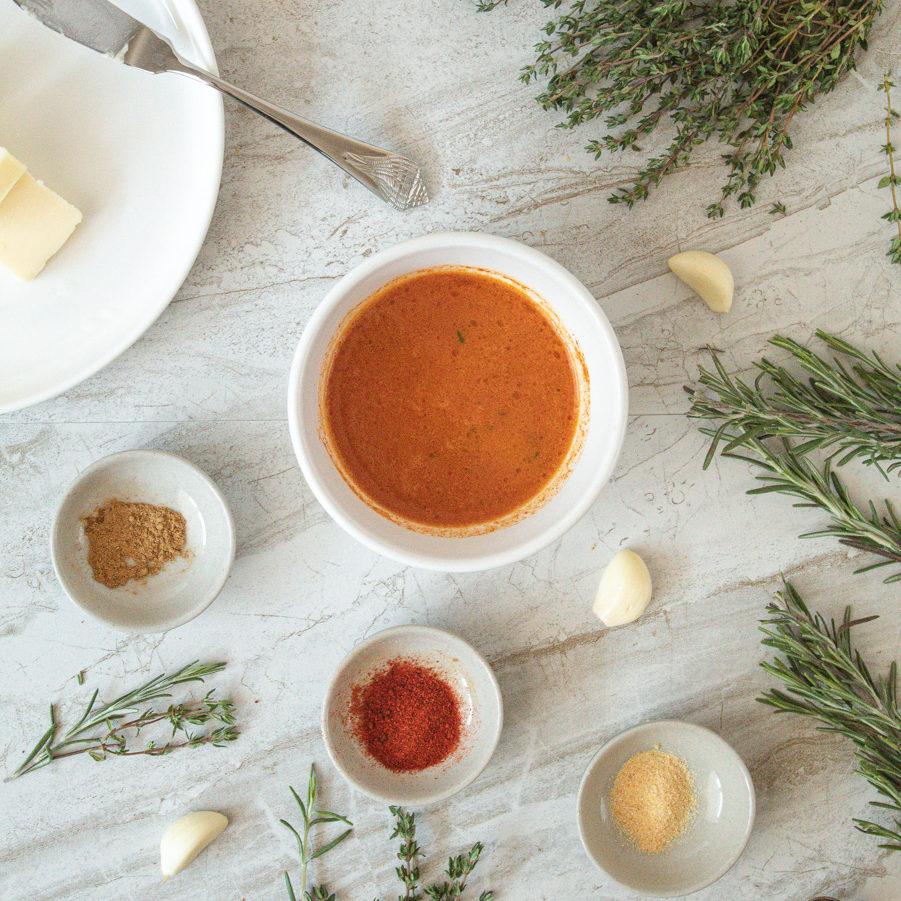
[[708, 275], [625, 590], [184, 839]]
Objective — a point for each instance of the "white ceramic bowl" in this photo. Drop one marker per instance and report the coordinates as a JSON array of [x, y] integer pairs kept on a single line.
[[717, 834], [478, 694], [185, 587], [578, 312]]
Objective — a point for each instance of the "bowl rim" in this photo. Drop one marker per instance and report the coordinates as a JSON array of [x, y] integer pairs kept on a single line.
[[686, 726], [108, 462], [301, 441], [444, 636]]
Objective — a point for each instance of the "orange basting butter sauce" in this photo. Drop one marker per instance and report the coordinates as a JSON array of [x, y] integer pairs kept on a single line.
[[450, 399]]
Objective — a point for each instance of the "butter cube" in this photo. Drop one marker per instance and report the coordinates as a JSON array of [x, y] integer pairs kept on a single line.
[[11, 170], [35, 222]]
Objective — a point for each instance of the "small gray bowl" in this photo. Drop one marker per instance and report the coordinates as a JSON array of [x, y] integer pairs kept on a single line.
[[717, 835], [478, 694], [185, 587]]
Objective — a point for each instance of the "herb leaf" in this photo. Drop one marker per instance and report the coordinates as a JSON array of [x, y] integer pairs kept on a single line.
[[311, 817]]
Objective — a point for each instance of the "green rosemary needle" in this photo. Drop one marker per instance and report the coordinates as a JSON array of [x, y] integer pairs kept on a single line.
[[733, 72], [112, 728], [827, 679]]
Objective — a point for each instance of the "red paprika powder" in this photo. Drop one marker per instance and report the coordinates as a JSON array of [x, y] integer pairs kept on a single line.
[[406, 716]]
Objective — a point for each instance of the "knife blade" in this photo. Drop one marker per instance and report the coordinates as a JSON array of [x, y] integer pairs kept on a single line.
[[97, 24]]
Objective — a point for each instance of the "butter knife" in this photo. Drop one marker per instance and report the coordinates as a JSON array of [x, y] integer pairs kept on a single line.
[[105, 28]]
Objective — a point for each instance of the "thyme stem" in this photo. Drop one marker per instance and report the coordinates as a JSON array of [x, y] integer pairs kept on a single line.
[[892, 180]]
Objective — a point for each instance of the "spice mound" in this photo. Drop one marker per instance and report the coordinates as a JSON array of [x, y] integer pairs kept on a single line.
[[406, 716], [132, 540], [653, 799]]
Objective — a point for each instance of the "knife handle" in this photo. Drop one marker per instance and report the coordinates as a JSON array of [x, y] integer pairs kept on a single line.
[[390, 177]]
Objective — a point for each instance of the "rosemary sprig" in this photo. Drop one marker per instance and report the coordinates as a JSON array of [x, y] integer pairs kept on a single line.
[[847, 407], [827, 679], [734, 72], [892, 180], [312, 817], [111, 728]]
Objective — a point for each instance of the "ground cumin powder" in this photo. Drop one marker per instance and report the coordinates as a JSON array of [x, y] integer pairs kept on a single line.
[[653, 799], [132, 540]]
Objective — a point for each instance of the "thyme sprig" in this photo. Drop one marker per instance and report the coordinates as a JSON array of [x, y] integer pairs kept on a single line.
[[892, 180], [827, 679], [457, 871], [408, 854], [734, 72], [452, 888], [113, 728], [847, 407]]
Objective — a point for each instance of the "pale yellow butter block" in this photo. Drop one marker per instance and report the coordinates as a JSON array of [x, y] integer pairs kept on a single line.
[[35, 222], [11, 170]]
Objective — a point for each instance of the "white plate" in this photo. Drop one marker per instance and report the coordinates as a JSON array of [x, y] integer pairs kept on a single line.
[[140, 155]]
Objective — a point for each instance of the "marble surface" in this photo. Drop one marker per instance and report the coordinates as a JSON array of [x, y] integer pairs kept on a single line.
[[208, 381]]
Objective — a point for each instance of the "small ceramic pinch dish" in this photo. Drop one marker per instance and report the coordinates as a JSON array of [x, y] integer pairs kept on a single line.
[[478, 699], [715, 837], [187, 585]]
